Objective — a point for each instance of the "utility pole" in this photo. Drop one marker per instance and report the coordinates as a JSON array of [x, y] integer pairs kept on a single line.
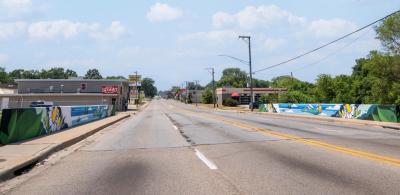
[[137, 90], [187, 93], [181, 93], [213, 85], [291, 76], [251, 72], [195, 90]]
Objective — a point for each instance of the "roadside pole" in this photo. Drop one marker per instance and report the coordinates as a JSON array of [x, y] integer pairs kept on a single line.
[[213, 83], [195, 90], [251, 72], [187, 93]]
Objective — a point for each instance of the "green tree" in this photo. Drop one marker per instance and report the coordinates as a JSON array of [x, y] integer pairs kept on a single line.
[[173, 91], [268, 98], [70, 73], [53, 73], [193, 86], [207, 96], [232, 77], [376, 78], [295, 97], [115, 78], [4, 78], [148, 87], [261, 83], [325, 91], [17, 74], [389, 33], [342, 86], [93, 74]]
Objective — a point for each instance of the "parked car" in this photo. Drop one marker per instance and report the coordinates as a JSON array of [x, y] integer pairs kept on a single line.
[[41, 104], [255, 105]]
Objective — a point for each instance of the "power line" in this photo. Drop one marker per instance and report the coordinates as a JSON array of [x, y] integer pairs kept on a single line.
[[334, 52], [323, 58], [322, 46]]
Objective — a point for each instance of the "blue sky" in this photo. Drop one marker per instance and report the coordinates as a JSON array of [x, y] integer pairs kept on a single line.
[[174, 41]]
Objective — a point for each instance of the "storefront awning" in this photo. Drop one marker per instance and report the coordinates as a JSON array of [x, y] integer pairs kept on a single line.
[[235, 94]]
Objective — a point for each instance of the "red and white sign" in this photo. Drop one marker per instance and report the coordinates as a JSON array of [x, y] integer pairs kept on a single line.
[[109, 89]]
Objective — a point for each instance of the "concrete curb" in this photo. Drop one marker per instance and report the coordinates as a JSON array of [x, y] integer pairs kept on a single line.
[[9, 172], [389, 125]]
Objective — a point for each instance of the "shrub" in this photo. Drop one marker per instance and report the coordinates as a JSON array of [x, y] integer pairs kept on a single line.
[[230, 102]]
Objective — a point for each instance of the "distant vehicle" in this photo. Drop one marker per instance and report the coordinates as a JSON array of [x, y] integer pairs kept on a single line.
[[255, 105], [41, 104]]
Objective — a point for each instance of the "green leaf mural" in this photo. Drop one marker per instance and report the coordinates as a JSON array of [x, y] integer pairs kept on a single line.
[[23, 124]]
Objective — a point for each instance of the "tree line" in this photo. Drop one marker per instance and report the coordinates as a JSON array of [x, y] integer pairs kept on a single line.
[[60, 73], [375, 79], [52, 73]]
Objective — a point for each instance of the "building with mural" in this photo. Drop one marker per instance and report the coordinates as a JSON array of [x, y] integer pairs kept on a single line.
[[68, 92]]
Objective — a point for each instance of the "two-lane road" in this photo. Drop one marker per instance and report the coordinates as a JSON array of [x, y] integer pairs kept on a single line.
[[172, 148]]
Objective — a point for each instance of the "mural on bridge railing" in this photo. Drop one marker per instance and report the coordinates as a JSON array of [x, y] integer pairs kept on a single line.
[[25, 123], [384, 113]]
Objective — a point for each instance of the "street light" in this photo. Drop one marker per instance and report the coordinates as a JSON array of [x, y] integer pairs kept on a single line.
[[213, 84], [247, 38]]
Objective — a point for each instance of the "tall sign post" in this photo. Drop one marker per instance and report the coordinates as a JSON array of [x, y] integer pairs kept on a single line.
[[134, 81]]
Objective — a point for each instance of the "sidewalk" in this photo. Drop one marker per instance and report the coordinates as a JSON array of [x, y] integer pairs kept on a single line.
[[19, 155], [321, 118]]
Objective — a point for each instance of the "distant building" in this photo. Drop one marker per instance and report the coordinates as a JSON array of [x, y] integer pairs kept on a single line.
[[66, 92], [8, 89], [196, 95], [243, 94]]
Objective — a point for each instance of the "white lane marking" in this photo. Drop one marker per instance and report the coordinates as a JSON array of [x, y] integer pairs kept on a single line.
[[175, 127], [205, 160]]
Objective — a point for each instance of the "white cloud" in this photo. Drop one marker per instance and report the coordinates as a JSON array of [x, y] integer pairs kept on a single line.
[[330, 28], [3, 58], [214, 36], [16, 7], [252, 17], [10, 29], [221, 19], [271, 43], [113, 32], [59, 28], [163, 12]]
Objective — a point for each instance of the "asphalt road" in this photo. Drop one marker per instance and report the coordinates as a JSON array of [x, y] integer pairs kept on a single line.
[[172, 148]]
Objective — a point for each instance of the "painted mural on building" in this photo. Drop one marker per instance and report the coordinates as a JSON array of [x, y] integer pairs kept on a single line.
[[25, 123], [384, 113]]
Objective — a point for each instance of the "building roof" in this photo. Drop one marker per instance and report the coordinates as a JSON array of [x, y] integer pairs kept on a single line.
[[70, 80], [8, 86], [57, 94]]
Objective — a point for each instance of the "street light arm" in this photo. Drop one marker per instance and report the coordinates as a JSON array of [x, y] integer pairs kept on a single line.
[[237, 59]]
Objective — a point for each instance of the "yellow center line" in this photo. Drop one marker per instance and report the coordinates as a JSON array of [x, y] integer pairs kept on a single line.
[[311, 142]]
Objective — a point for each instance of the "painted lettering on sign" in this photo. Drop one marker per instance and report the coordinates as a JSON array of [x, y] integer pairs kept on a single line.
[[109, 89]]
